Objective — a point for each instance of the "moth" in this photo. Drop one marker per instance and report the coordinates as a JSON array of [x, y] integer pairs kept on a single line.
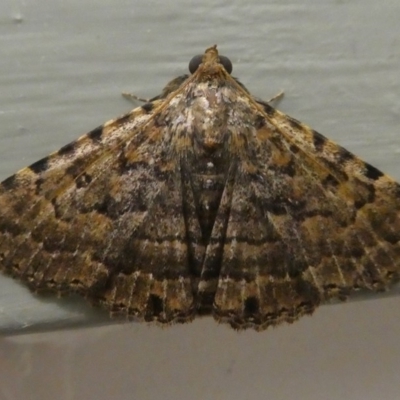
[[204, 200]]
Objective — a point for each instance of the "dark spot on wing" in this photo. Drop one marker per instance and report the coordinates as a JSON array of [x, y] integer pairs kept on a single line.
[[330, 180], [295, 124], [155, 306], [67, 149], [83, 180], [294, 148], [9, 183], [268, 109], [148, 107], [40, 166], [362, 200], [251, 306], [371, 172], [96, 133], [259, 122], [318, 140], [344, 155]]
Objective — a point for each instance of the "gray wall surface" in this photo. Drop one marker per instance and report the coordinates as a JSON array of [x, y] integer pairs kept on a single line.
[[63, 65]]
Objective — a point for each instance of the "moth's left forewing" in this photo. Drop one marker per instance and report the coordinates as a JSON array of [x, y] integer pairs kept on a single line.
[[104, 217], [43, 206]]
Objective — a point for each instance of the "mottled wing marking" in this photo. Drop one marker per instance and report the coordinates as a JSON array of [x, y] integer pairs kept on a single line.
[[204, 200], [308, 221], [371, 197], [100, 216]]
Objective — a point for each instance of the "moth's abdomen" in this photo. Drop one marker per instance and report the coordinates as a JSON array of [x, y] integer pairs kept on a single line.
[[208, 189], [208, 177]]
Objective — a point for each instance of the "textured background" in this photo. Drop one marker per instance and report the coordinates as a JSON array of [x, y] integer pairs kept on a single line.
[[63, 65]]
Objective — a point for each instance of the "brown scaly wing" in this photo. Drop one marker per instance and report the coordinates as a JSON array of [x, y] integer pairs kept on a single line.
[[109, 216], [302, 220]]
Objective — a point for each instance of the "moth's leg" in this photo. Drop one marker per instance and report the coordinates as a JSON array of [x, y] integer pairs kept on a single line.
[[131, 97], [171, 87], [278, 97]]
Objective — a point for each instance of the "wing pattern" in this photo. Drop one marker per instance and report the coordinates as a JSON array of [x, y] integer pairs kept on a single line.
[[205, 200]]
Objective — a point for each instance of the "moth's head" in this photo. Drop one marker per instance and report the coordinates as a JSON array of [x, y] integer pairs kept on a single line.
[[203, 67], [210, 56]]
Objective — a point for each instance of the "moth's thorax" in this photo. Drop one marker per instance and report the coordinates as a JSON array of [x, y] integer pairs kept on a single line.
[[206, 121], [206, 115], [209, 128]]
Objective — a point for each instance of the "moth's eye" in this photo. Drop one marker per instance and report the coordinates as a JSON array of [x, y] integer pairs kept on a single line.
[[195, 62], [226, 63]]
